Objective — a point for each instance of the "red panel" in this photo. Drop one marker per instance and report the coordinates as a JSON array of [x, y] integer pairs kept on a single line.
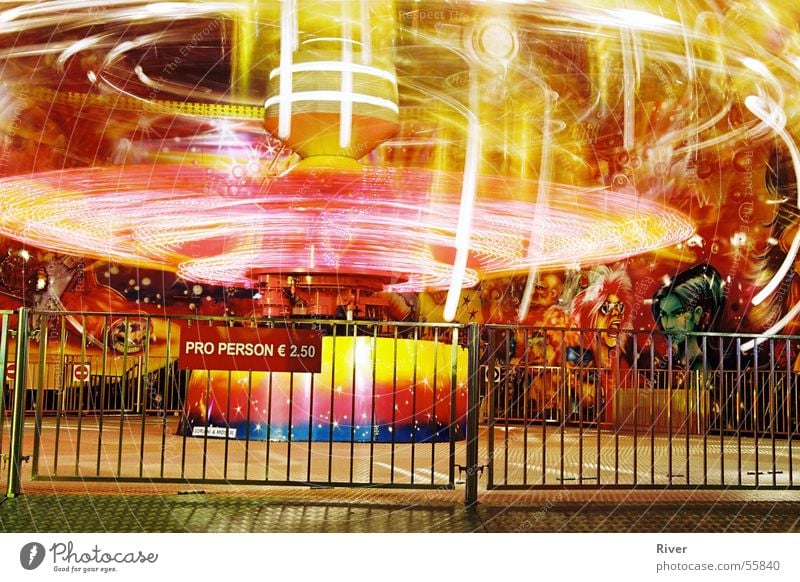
[[256, 349]]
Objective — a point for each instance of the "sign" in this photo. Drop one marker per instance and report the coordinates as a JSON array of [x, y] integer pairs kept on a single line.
[[11, 371], [214, 431], [250, 349], [81, 372]]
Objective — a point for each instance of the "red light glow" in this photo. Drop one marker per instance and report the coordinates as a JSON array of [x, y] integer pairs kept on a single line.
[[398, 224]]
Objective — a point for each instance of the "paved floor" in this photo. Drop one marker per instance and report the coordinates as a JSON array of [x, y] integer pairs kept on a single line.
[[152, 506], [143, 448], [83, 507]]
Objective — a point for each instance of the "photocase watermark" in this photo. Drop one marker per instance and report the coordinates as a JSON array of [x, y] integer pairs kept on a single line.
[[66, 557], [31, 555], [534, 518], [448, 15]]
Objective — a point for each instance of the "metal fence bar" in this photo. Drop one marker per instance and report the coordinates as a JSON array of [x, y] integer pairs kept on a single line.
[[61, 386], [491, 396], [453, 423], [575, 401], [80, 386], [702, 388], [772, 412], [247, 417], [393, 450], [596, 415], [739, 419], [290, 436], [523, 394], [5, 331], [756, 410], [542, 413], [723, 413], [693, 384], [636, 385], [166, 391], [270, 392], [651, 426], [17, 417], [415, 364], [123, 389], [614, 414], [38, 397], [670, 382], [353, 402], [227, 425], [103, 393], [564, 408], [435, 386], [144, 399], [309, 459], [473, 405], [790, 384], [507, 351]]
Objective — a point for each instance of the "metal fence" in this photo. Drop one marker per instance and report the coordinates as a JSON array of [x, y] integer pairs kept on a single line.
[[647, 417], [95, 396], [388, 408]]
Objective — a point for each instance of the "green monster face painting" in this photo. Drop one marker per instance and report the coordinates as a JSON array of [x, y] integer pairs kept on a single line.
[[677, 320]]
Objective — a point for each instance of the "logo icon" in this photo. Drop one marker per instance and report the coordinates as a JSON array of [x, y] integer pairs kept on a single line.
[[31, 555]]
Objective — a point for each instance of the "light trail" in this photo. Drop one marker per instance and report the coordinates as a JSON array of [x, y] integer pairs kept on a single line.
[[169, 217]]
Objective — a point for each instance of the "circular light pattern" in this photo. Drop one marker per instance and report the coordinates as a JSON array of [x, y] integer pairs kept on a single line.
[[495, 41], [383, 222]]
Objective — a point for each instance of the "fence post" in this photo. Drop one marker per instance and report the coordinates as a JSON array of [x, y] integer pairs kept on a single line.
[[473, 410], [39, 388], [18, 406], [4, 333]]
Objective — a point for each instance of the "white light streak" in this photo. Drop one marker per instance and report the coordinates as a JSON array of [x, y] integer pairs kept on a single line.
[[535, 239], [366, 34], [346, 106], [641, 20], [782, 322], [288, 40], [467, 205], [75, 48], [757, 67], [338, 66], [628, 91], [336, 96], [769, 112]]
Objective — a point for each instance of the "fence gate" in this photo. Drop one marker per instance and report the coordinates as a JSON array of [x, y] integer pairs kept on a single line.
[[556, 416], [108, 397]]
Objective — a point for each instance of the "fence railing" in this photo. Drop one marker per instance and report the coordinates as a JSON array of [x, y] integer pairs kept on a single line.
[[387, 408], [399, 405]]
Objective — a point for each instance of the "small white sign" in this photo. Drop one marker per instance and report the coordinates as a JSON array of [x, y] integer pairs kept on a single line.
[[214, 431]]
